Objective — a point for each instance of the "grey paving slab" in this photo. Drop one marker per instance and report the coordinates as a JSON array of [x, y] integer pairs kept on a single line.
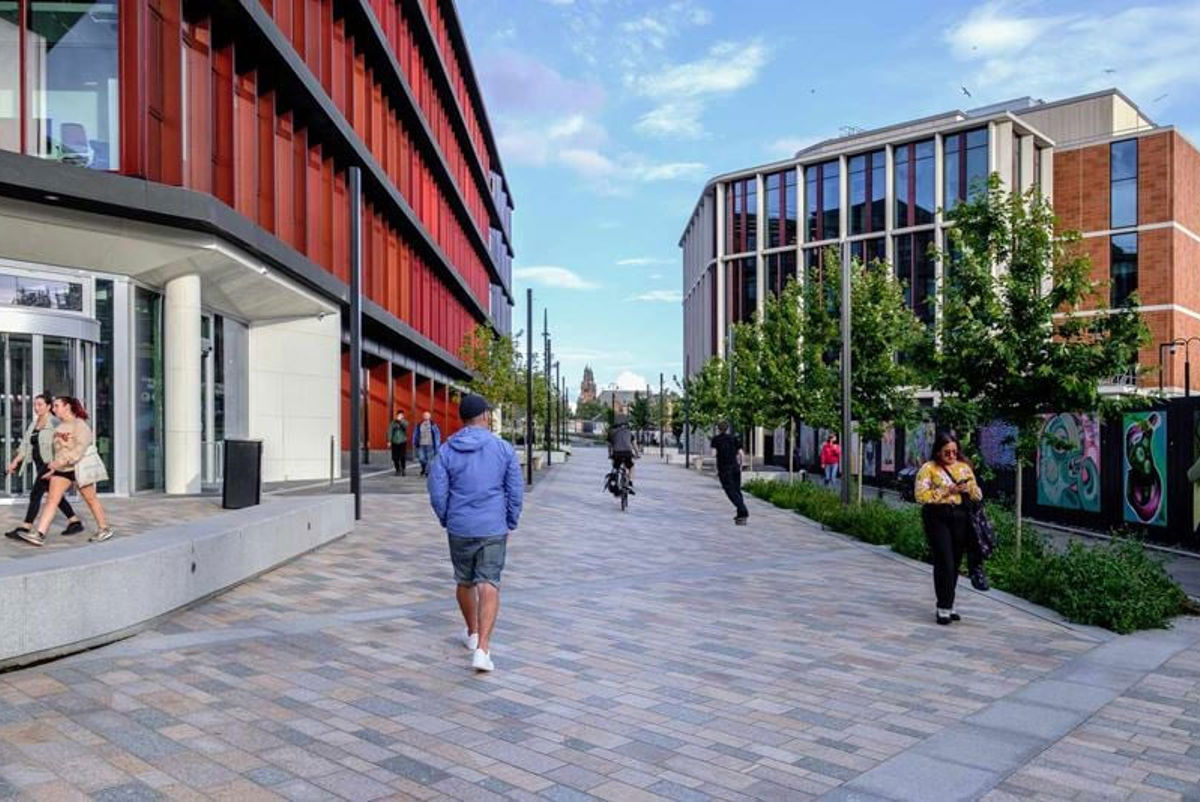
[[662, 653]]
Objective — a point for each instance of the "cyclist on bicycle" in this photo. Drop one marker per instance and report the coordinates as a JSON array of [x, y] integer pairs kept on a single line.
[[622, 449]]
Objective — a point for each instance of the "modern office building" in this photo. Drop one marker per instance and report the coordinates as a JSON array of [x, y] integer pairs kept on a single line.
[[1129, 185], [175, 224]]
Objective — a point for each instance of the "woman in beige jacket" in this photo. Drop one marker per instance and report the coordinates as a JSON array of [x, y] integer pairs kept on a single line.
[[71, 441]]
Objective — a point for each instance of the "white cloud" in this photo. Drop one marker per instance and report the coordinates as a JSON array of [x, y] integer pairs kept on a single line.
[[1010, 45], [669, 171], [643, 261], [553, 276], [659, 296], [729, 66], [682, 90], [628, 380], [679, 119], [785, 147]]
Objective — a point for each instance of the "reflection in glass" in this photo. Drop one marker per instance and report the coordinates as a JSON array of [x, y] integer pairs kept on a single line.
[[18, 400], [781, 268], [915, 270], [965, 166], [868, 251], [148, 400], [103, 413], [58, 366], [1123, 268], [1123, 174], [72, 78], [772, 184]]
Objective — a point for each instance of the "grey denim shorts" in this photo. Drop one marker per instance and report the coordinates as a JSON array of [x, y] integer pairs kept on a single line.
[[478, 559]]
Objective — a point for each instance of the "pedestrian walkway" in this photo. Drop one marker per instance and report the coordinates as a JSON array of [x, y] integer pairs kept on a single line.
[[662, 653]]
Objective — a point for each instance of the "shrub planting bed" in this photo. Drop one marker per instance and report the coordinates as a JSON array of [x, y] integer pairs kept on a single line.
[[1119, 585]]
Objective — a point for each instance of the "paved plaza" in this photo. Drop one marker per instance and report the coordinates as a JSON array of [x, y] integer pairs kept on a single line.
[[659, 654]]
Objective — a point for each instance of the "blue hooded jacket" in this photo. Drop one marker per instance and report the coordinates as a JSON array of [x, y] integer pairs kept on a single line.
[[475, 485]]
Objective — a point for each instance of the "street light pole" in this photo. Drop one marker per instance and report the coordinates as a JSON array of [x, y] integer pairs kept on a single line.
[[529, 386], [662, 421], [687, 417], [557, 406], [846, 374], [546, 363], [356, 401]]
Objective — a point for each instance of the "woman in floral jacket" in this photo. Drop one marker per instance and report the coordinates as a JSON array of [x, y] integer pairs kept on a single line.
[[942, 485]]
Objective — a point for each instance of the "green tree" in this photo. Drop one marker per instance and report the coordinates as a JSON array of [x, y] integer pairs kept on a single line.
[[747, 404], [589, 410], [1014, 344], [639, 415], [884, 336], [707, 393], [494, 365]]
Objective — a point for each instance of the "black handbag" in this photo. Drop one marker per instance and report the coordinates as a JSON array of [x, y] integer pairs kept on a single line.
[[981, 528]]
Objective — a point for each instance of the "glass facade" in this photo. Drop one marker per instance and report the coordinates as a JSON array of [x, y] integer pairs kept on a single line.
[[781, 201], [965, 166], [1123, 268], [103, 411], [868, 185], [40, 292], [916, 271], [148, 394], [867, 251], [781, 268], [1123, 173], [914, 183], [821, 200], [741, 215], [59, 88]]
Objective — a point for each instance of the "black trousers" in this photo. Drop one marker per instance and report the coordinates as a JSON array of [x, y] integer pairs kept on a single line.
[[35, 499], [400, 456], [948, 530], [731, 483]]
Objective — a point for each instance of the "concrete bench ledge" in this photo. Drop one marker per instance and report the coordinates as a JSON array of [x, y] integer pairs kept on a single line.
[[64, 601]]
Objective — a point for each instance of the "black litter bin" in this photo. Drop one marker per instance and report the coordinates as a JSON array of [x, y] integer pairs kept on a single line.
[[906, 479], [243, 474]]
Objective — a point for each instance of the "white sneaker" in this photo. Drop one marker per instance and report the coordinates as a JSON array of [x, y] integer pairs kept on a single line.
[[469, 641], [481, 661]]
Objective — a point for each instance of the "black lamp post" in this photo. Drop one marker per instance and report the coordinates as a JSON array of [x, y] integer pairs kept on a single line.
[[1187, 366], [1173, 344]]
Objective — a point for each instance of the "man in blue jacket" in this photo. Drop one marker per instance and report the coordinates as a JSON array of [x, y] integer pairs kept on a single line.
[[476, 490], [426, 440]]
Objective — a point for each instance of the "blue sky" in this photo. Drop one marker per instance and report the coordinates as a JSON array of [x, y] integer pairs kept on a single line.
[[612, 114]]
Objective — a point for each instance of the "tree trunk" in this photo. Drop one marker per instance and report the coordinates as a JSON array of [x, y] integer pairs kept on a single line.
[[1020, 490]]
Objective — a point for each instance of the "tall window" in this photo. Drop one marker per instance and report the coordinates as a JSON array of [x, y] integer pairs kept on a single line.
[[866, 251], [867, 178], [781, 208], [913, 171], [741, 215], [741, 289], [1123, 172], [1123, 268], [148, 400], [821, 200], [966, 165], [915, 271], [102, 418], [781, 268], [71, 86], [10, 76]]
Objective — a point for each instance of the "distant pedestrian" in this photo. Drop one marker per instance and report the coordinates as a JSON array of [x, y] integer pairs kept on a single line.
[[426, 438], [398, 437], [831, 458], [476, 490], [75, 461], [729, 469], [37, 451], [943, 487]]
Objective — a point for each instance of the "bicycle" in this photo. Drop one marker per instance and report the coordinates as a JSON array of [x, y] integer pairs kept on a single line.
[[617, 482]]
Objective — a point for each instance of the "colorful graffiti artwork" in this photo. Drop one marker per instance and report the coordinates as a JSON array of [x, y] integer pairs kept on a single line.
[[808, 451], [998, 445], [887, 450], [1144, 487], [918, 440], [1068, 462], [869, 458]]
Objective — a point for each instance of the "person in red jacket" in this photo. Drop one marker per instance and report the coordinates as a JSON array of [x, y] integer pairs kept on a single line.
[[831, 457]]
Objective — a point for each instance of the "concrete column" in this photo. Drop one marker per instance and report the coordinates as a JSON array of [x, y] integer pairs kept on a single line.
[[181, 367]]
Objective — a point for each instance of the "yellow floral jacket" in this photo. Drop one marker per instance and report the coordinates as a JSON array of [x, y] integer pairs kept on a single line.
[[934, 484]]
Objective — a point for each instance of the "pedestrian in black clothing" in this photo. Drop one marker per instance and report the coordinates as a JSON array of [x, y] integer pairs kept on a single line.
[[398, 437], [729, 469]]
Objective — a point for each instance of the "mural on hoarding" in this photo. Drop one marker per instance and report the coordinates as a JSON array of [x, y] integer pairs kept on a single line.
[[1145, 468], [869, 458], [918, 441], [808, 454], [887, 450], [998, 445], [1068, 462]]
